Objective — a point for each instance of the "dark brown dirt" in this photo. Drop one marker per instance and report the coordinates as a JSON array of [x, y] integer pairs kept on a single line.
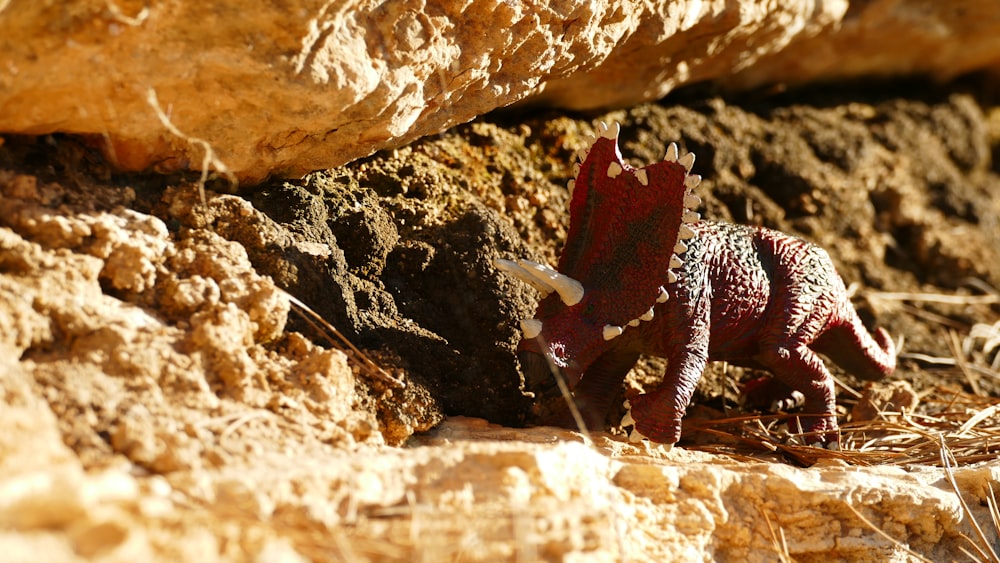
[[897, 187]]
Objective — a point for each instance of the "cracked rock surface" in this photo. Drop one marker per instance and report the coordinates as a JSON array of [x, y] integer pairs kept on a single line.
[[286, 88]]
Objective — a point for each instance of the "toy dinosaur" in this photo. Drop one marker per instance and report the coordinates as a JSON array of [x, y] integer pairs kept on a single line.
[[641, 273]]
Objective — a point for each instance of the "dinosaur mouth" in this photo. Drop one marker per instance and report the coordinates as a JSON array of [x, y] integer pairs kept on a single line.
[[540, 375]]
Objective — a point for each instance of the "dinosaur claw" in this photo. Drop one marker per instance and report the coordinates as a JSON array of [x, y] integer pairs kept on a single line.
[[795, 400], [635, 436], [833, 446], [627, 420]]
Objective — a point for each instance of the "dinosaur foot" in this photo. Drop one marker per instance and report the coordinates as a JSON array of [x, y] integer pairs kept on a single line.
[[832, 446], [635, 436], [768, 394], [818, 431], [794, 400]]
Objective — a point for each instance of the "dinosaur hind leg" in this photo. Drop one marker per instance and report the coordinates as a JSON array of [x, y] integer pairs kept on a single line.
[[800, 369], [768, 393]]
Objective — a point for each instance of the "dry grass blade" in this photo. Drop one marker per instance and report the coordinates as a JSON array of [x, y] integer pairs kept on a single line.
[[778, 540], [318, 323], [209, 158], [882, 533], [969, 425], [979, 417], [991, 502], [956, 350], [990, 336], [985, 550], [935, 298]]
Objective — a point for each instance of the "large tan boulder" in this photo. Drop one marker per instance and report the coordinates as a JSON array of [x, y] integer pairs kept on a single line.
[[285, 88]]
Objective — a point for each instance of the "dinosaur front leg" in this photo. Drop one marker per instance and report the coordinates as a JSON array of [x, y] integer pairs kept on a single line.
[[596, 391], [657, 414]]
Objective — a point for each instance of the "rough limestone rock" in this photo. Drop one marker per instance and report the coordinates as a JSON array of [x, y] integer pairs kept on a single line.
[[468, 491], [285, 88]]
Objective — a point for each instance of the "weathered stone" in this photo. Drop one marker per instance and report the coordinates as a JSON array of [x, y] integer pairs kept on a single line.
[[282, 89]]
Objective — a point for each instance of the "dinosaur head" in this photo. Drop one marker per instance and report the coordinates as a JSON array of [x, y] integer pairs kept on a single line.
[[627, 230]]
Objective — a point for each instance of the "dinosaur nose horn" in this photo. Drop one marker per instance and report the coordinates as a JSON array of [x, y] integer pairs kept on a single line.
[[545, 279], [531, 328]]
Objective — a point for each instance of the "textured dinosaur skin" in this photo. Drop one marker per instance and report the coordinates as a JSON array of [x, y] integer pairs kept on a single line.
[[750, 296]]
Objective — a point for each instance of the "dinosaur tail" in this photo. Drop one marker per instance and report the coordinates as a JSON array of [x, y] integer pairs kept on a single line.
[[851, 347]]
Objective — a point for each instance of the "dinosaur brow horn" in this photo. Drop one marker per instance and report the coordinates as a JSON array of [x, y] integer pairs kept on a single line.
[[520, 273], [569, 290], [544, 279]]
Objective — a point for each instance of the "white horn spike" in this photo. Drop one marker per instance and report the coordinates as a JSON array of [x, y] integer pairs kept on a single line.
[[531, 328], [648, 315], [612, 332], [675, 262], [614, 169], [691, 201], [571, 185], [691, 217], [569, 290], [687, 161], [680, 247], [520, 273], [685, 232], [671, 155], [641, 175], [692, 181], [671, 277], [664, 296], [633, 323], [610, 132]]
